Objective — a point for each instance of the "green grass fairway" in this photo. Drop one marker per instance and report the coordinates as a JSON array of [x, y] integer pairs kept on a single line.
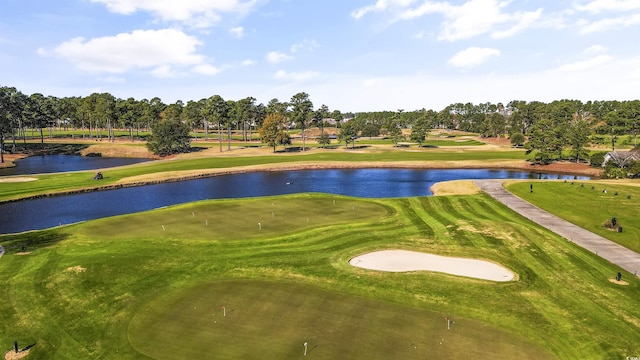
[[124, 288], [272, 320], [255, 218], [589, 208]]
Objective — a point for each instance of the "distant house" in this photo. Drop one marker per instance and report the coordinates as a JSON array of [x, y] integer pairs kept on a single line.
[[622, 158], [329, 121]]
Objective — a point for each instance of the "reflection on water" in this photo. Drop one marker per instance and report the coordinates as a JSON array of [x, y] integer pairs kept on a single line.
[[372, 183]]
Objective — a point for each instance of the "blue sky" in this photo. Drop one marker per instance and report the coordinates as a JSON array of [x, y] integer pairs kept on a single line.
[[355, 55]]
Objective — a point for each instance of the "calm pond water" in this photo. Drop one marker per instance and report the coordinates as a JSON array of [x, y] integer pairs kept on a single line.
[[41, 164], [372, 183]]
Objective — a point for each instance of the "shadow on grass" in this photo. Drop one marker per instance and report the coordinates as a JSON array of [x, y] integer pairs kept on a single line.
[[30, 241], [196, 149], [48, 148], [292, 149]]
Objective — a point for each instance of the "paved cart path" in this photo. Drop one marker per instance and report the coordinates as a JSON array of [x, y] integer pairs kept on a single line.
[[606, 249]]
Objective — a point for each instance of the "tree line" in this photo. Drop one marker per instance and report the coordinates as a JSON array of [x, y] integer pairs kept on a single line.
[[544, 129]]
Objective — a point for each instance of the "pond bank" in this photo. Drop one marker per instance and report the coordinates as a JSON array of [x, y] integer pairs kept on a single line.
[[176, 176]]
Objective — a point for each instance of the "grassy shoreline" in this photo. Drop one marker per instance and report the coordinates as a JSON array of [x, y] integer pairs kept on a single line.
[[211, 162]]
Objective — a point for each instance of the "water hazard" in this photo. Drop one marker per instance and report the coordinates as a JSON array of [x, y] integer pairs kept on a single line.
[[373, 183], [40, 164]]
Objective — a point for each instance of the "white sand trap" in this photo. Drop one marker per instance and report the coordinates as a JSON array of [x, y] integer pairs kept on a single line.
[[17, 179], [403, 260]]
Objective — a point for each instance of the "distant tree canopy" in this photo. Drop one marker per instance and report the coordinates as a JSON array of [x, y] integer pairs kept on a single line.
[[551, 130], [168, 137]]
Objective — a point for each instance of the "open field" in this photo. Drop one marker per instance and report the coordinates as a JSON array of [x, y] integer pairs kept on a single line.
[[95, 290]]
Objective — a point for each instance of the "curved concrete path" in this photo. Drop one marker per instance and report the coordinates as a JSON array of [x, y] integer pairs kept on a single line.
[[606, 249]]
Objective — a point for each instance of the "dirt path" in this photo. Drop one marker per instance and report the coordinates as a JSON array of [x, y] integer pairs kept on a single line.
[[606, 249]]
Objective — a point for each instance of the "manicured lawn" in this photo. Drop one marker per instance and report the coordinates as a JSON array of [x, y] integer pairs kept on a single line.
[[124, 288], [588, 206], [273, 320]]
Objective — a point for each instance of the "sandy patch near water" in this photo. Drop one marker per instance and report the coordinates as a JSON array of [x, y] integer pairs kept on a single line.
[[17, 179], [404, 261], [455, 187]]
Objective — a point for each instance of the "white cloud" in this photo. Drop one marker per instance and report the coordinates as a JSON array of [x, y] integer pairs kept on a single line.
[[472, 56], [610, 23], [206, 69], [597, 6], [237, 31], [159, 49], [593, 57], [248, 62], [194, 13], [472, 18], [308, 45], [164, 72], [428, 7], [595, 49], [295, 76], [379, 6], [477, 17], [584, 64], [524, 21], [275, 57]]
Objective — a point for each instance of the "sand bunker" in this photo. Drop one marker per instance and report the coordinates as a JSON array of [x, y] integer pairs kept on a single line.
[[403, 260], [17, 179]]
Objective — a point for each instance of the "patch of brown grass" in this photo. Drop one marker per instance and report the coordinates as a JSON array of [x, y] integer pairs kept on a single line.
[[76, 269], [119, 150]]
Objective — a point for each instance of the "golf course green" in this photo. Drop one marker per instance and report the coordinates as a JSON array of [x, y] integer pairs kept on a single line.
[[153, 284]]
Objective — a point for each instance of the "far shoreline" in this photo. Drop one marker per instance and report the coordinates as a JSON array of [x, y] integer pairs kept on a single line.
[[177, 176]]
